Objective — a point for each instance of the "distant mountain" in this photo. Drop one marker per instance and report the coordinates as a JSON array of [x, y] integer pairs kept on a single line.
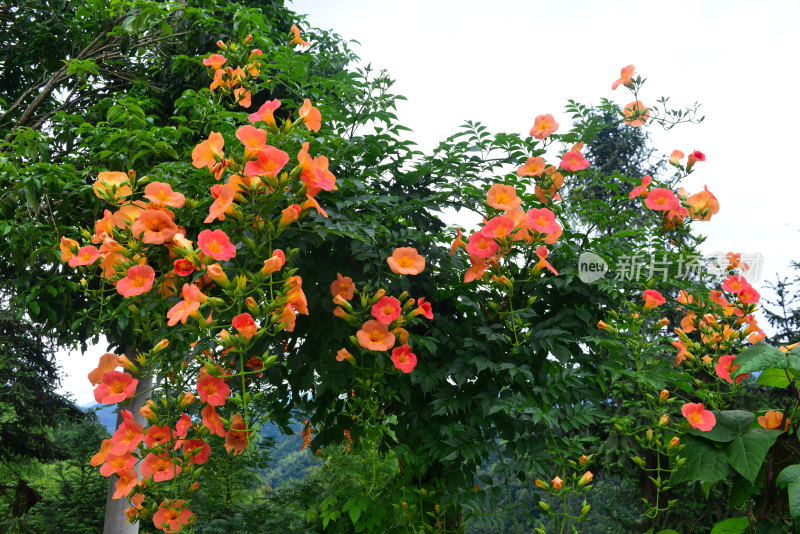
[[105, 414]]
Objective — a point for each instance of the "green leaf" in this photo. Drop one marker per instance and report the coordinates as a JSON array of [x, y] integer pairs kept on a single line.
[[763, 356], [668, 531], [704, 462], [775, 378], [791, 477], [730, 425], [355, 507], [734, 525], [746, 453]]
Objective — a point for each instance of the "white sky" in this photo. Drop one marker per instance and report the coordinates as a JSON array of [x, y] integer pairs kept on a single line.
[[504, 62]]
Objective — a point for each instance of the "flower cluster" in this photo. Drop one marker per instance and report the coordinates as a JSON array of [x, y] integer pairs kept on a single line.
[[500, 233], [389, 317], [214, 294]]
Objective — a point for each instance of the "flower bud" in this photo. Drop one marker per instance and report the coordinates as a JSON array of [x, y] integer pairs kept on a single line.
[[544, 506], [241, 281], [217, 274], [126, 363], [649, 434], [161, 345], [248, 38], [541, 484], [662, 323], [674, 442], [378, 296], [251, 304], [147, 411], [583, 460], [663, 420], [557, 483], [187, 399], [603, 326], [585, 479], [663, 396], [221, 45], [194, 487]]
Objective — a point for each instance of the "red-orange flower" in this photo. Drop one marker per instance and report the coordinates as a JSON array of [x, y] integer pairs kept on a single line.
[[481, 246], [275, 263], [68, 247], [662, 199], [343, 286], [574, 161], [423, 308], [223, 202], [457, 242], [157, 435], [127, 436], [154, 226], [375, 335], [108, 362], [532, 167], [703, 205], [498, 227], [253, 139], [109, 180], [772, 420], [162, 194], [172, 516], [237, 437], [725, 366], [265, 112], [311, 116], [212, 390], [269, 162], [297, 40], [406, 260], [636, 114], [242, 97], [196, 451], [641, 190], [749, 295], [698, 417], [85, 256], [115, 387], [215, 61], [125, 483], [192, 298], [212, 421], [652, 298], [315, 173], [404, 359], [543, 126], [386, 310], [290, 214], [541, 253], [542, 220], [115, 464], [503, 197], [216, 244], [207, 153], [159, 467], [245, 325], [625, 77], [139, 280]]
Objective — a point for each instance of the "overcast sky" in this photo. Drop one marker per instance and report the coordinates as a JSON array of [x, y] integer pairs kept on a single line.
[[505, 62]]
